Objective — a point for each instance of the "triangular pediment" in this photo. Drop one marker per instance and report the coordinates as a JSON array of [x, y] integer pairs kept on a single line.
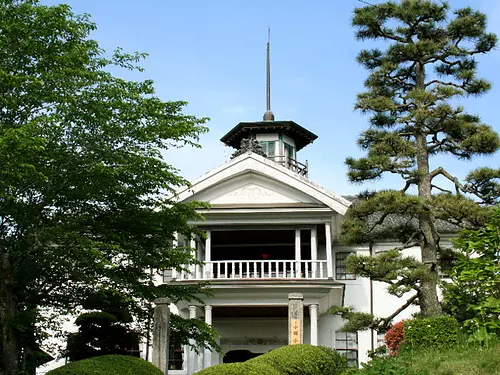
[[251, 179], [252, 189]]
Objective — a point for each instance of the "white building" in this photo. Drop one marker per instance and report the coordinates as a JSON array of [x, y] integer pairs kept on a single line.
[[271, 231]]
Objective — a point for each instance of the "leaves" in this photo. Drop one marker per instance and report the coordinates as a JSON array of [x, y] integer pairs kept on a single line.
[[86, 199]]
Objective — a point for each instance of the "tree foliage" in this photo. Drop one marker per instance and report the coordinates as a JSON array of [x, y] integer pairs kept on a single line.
[[83, 183], [429, 64], [473, 295]]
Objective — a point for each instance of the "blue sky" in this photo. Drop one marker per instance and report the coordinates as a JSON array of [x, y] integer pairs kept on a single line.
[[212, 54]]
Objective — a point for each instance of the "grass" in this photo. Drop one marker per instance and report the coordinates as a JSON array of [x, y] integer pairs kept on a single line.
[[461, 360]]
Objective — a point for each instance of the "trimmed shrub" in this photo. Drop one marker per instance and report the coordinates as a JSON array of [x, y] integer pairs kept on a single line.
[[439, 331], [394, 337], [304, 359], [288, 360], [242, 368], [108, 365]]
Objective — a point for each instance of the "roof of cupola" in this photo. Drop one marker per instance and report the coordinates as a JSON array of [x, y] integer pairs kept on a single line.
[[301, 135]]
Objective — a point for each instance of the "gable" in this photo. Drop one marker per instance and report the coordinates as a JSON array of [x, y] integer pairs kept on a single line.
[[253, 189], [253, 179]]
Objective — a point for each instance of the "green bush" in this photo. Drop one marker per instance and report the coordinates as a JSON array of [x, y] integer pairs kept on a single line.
[[440, 331], [384, 366], [287, 360], [242, 368], [108, 365], [304, 359]]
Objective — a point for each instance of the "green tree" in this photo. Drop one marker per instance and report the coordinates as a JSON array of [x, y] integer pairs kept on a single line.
[[412, 88], [473, 296], [83, 184]]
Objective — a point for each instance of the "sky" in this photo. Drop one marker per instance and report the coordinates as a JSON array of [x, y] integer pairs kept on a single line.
[[212, 55]]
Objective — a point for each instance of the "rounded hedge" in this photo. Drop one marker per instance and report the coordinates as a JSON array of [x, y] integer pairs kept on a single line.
[[304, 359], [108, 365], [301, 359], [241, 368], [439, 331]]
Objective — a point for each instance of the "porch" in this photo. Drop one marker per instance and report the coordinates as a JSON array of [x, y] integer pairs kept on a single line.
[[257, 253]]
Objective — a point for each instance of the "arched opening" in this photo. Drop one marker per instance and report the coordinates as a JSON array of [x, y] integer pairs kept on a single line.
[[239, 356]]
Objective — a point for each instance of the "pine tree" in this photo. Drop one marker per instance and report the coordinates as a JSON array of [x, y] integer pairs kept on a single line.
[[411, 93]]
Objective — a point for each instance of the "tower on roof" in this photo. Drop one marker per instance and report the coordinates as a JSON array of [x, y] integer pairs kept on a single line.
[[281, 140], [268, 115]]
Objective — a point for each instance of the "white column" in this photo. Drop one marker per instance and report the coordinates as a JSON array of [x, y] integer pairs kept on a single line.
[[208, 255], [329, 260], [313, 316], [314, 252], [207, 358], [297, 254], [192, 357], [195, 269], [175, 243]]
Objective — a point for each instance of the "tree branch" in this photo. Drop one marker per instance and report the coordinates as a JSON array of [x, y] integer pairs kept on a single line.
[[384, 322]]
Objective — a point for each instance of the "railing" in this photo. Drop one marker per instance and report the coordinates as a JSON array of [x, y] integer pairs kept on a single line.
[[292, 164], [255, 269]]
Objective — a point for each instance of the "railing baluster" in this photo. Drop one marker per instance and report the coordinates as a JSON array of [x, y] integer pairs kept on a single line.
[[255, 274], [226, 270], [321, 270], [174, 273], [240, 269], [270, 269]]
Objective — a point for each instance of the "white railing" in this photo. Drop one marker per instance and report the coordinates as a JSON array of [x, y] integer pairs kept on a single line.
[[255, 269]]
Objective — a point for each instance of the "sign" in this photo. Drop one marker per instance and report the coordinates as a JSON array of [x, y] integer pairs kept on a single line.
[[295, 331]]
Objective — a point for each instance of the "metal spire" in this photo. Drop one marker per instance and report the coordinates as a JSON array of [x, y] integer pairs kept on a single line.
[[268, 115]]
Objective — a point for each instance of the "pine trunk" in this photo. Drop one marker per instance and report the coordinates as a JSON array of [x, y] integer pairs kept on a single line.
[[8, 306], [428, 299]]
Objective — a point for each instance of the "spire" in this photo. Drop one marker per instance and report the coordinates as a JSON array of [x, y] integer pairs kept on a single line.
[[268, 116]]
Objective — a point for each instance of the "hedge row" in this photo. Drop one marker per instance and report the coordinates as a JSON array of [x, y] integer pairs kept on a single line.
[[288, 360]]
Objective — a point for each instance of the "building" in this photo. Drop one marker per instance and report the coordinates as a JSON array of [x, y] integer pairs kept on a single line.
[[270, 231]]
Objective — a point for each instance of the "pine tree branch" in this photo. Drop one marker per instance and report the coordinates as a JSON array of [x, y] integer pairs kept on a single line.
[[441, 189], [383, 323], [441, 171], [452, 84]]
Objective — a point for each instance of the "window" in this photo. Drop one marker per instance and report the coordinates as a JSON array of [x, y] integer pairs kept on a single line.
[[340, 266], [176, 353], [289, 151], [269, 147], [346, 343]]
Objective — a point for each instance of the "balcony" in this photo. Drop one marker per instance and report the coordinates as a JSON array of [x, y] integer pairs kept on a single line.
[[254, 269], [292, 164]]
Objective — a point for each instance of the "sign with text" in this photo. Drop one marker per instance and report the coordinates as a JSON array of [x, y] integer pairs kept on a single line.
[[295, 332]]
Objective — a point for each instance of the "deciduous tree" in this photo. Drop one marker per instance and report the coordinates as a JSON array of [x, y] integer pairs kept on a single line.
[[83, 184]]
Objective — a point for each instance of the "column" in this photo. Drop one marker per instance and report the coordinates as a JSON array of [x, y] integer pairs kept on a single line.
[[175, 243], [209, 272], [314, 253], [195, 269], [207, 358], [161, 320], [313, 315], [295, 318], [329, 260], [192, 357], [297, 254]]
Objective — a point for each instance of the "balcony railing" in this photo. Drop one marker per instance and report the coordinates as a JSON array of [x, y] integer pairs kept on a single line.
[[255, 269], [292, 164]]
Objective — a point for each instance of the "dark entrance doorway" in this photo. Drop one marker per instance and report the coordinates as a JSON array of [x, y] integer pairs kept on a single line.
[[239, 356]]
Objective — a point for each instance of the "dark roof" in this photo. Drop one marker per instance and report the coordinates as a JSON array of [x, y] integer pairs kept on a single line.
[[395, 220], [300, 135]]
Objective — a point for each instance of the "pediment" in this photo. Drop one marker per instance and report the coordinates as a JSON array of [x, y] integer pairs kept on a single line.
[[251, 179], [252, 189]]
